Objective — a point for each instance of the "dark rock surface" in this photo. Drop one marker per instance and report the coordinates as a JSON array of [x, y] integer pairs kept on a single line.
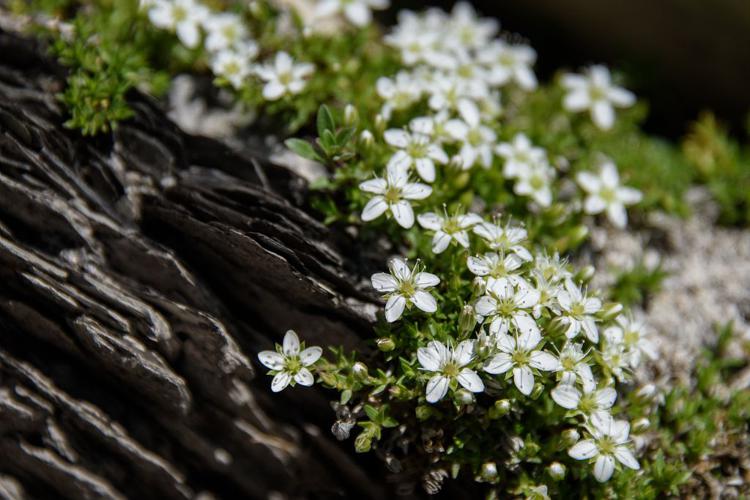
[[139, 276]]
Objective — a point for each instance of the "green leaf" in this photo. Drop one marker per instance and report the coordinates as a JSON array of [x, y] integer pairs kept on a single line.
[[346, 395], [344, 136], [372, 413], [302, 148], [325, 120]]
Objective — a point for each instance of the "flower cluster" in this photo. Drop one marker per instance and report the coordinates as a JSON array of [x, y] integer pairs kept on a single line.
[[231, 50]]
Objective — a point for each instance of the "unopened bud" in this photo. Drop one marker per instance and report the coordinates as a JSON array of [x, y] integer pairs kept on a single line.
[[556, 471], [646, 392], [571, 436], [464, 397], [641, 424], [610, 311], [423, 412], [380, 124], [478, 287], [558, 326], [578, 235], [359, 369], [385, 344], [456, 163], [366, 139], [467, 320], [351, 116], [500, 408], [585, 274], [537, 391], [489, 471]]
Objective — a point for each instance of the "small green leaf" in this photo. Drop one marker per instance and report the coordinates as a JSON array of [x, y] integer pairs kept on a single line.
[[325, 120], [372, 413], [302, 148], [346, 395]]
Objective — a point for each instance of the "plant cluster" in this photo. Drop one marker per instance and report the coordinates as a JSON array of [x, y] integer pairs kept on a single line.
[[494, 359]]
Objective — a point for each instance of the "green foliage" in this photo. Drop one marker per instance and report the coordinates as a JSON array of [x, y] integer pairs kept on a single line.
[[723, 166]]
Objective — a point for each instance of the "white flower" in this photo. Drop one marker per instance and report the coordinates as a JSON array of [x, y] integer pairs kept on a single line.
[[356, 11], [520, 355], [416, 150], [606, 194], [433, 127], [234, 64], [589, 402], [595, 92], [477, 139], [184, 17], [578, 311], [504, 239], [467, 30], [283, 77], [415, 43], [573, 367], [496, 266], [225, 30], [617, 360], [607, 443], [398, 93], [405, 286], [448, 364], [393, 194], [520, 156], [448, 228], [633, 336], [290, 364], [535, 183], [508, 304], [552, 267], [507, 63]]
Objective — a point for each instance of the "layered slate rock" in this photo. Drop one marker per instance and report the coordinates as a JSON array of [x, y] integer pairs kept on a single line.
[[140, 274]]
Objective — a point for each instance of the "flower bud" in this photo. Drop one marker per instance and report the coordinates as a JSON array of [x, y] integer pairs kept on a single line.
[[500, 408], [456, 163], [571, 436], [380, 124], [610, 311], [537, 391], [464, 397], [478, 287], [423, 412], [359, 369], [585, 274], [646, 392], [467, 320], [558, 326], [641, 424], [385, 344], [366, 139], [556, 471], [578, 235], [489, 471], [351, 116]]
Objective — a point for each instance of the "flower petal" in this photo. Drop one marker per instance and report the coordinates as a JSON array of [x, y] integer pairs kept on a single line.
[[500, 363], [470, 380], [374, 209], [424, 301], [626, 458], [583, 450], [426, 169], [271, 359], [280, 381], [376, 186], [604, 467], [429, 358], [310, 355], [304, 377], [403, 213], [463, 353], [399, 268], [394, 308], [603, 115], [291, 343], [486, 306], [605, 398], [396, 137], [543, 361], [426, 280], [524, 379], [566, 396], [440, 242], [478, 265], [416, 191], [437, 388], [384, 282], [431, 221]]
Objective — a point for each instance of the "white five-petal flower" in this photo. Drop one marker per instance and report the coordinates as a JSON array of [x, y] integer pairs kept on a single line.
[[632, 334], [520, 155], [477, 140], [416, 150], [608, 442], [225, 30], [290, 365], [496, 266], [507, 63], [573, 367], [504, 239], [448, 364], [447, 229], [184, 17], [578, 311], [594, 92], [521, 355], [358, 12], [587, 402], [606, 194], [508, 303], [405, 286], [234, 64], [393, 195], [283, 76]]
